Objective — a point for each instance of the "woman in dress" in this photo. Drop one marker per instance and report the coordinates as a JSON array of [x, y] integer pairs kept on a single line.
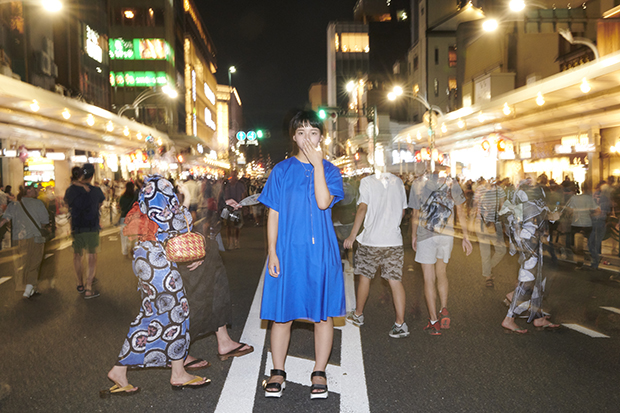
[[305, 271], [160, 333]]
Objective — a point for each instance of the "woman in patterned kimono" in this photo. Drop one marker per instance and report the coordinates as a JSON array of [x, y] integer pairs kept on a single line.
[[525, 217], [160, 333]]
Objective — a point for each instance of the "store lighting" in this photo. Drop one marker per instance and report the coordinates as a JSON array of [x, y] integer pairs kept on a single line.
[[159, 142], [109, 126], [490, 25], [398, 90], [128, 14], [480, 117], [461, 123], [391, 96], [444, 128], [51, 5], [139, 136], [90, 120], [506, 109], [585, 86], [517, 5], [55, 156], [612, 149], [540, 100], [34, 106], [66, 114], [126, 131], [328, 140], [350, 86]]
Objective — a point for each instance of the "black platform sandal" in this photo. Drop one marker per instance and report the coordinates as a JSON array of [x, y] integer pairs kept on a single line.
[[322, 388], [275, 389]]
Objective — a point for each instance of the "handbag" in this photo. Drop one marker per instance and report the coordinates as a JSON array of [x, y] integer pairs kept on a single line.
[[46, 234], [186, 247]]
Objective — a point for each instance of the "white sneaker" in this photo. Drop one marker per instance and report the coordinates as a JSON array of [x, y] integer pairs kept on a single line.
[[399, 332], [29, 291], [357, 320]]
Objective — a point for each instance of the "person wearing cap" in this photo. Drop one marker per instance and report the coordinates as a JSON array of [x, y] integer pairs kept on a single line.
[[84, 201]]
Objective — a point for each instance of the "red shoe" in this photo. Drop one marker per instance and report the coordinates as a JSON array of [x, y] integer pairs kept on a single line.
[[433, 329], [444, 318]]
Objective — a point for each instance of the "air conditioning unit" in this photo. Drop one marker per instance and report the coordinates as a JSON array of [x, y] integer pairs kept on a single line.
[[48, 46], [44, 63]]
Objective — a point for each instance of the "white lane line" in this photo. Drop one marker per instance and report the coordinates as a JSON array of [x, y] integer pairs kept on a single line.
[[298, 371], [584, 330], [4, 279], [237, 395], [354, 394], [612, 309]]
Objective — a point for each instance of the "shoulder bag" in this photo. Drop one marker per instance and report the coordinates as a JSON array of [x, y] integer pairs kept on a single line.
[[186, 247], [46, 234]]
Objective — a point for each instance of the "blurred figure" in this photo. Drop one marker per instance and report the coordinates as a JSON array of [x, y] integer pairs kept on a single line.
[[84, 201], [488, 200], [125, 202], [582, 207], [433, 201], [235, 190], [27, 216], [381, 205], [599, 224], [526, 217], [192, 195], [4, 201]]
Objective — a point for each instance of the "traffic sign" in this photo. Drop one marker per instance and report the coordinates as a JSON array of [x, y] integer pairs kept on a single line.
[[251, 135], [241, 135]]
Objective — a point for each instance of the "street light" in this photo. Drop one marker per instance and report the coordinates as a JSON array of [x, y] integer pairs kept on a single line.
[[149, 93], [231, 70], [566, 33], [51, 5]]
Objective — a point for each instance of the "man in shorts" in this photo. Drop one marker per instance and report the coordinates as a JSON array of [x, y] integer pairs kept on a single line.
[[381, 205], [433, 200], [84, 201]]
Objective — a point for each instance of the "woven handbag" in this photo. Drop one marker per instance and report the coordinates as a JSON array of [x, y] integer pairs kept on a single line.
[[186, 247]]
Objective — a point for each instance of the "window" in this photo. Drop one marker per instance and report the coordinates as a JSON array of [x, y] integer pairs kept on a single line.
[[436, 56], [354, 43], [452, 56], [436, 87], [451, 84], [415, 63]]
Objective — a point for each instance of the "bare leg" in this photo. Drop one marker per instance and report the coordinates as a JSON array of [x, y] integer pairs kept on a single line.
[[118, 374], [225, 343], [398, 295], [77, 264], [280, 338], [179, 375], [442, 282], [430, 292], [362, 294], [323, 341], [509, 324], [92, 266]]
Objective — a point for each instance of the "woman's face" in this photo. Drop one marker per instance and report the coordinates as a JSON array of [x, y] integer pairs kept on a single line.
[[308, 132]]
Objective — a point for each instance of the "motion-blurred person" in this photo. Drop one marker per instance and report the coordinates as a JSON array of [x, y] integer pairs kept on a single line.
[[582, 207], [488, 200], [4, 201], [27, 216], [84, 201], [599, 224], [192, 195], [526, 217], [235, 190], [125, 202], [433, 200], [380, 207]]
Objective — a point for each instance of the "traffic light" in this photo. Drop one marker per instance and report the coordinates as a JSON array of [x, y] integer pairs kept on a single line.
[[328, 112], [259, 134], [322, 114]]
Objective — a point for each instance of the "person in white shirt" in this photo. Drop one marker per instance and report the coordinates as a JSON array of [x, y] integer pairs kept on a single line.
[[381, 205]]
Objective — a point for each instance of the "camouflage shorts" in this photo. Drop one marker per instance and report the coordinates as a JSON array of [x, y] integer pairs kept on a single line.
[[389, 259]]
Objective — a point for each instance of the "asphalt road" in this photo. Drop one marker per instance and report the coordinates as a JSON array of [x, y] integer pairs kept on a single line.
[[56, 348]]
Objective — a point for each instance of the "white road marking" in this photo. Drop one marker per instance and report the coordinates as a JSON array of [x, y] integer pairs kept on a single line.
[[584, 330], [4, 279], [348, 379], [612, 309]]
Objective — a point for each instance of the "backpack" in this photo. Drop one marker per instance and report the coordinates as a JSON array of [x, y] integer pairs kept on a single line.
[[437, 209]]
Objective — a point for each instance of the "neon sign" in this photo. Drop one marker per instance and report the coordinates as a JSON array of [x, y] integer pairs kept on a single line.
[[140, 49], [92, 46]]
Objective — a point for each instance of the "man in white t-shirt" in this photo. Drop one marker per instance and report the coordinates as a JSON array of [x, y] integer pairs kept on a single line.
[[381, 206]]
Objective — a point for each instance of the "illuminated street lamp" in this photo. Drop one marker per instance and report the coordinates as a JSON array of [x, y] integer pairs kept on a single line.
[[51, 5], [147, 94], [517, 5], [566, 33], [231, 70]]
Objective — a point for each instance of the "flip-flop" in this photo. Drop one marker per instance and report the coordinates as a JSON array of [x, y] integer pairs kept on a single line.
[[80, 289], [548, 327], [93, 294], [117, 390], [190, 384], [514, 330], [192, 365], [236, 352]]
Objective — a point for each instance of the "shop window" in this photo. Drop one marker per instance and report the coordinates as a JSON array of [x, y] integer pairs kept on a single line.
[[452, 56], [436, 56], [355, 43]]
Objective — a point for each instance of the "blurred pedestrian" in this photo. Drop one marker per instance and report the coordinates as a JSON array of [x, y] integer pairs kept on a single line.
[[599, 224], [488, 200], [159, 336], [381, 206], [235, 190], [27, 216], [305, 270], [582, 206], [84, 201], [433, 200], [125, 202]]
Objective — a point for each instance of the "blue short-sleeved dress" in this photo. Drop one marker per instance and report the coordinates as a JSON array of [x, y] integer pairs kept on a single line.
[[310, 285]]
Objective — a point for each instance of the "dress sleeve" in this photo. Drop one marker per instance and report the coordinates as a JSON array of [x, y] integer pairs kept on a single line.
[[334, 182], [270, 196], [364, 193], [414, 195]]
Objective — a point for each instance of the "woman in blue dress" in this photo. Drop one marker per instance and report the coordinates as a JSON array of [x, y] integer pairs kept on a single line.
[[305, 271], [159, 336]]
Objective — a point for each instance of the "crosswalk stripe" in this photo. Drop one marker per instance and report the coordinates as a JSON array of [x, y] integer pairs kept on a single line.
[[584, 330], [612, 309]]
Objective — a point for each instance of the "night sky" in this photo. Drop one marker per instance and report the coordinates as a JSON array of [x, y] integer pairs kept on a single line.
[[279, 49]]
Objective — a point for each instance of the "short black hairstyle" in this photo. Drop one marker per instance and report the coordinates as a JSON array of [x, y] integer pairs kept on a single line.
[[305, 117], [89, 170], [76, 173]]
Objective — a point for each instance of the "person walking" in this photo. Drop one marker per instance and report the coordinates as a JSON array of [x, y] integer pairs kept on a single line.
[[235, 190], [27, 216], [599, 224], [305, 270], [381, 206], [582, 207], [488, 200], [84, 201], [159, 336], [433, 200]]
